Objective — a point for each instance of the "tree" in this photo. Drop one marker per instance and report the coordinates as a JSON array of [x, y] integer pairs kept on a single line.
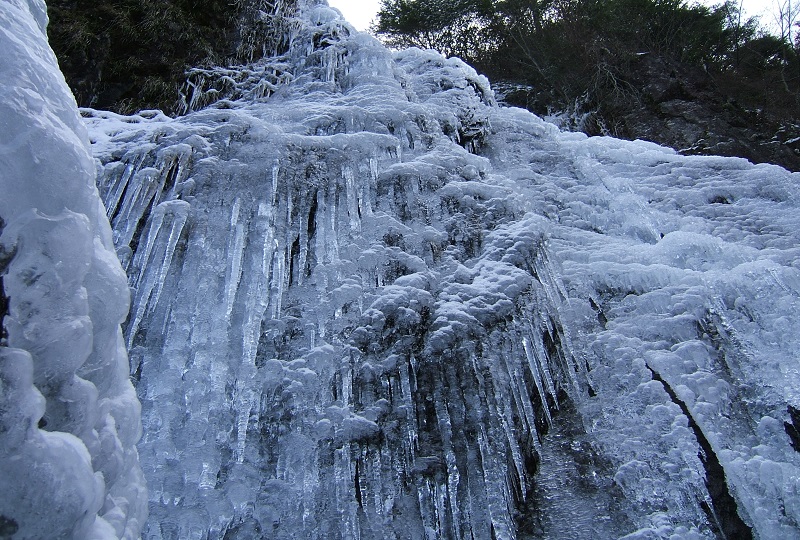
[[787, 16], [126, 55], [453, 27]]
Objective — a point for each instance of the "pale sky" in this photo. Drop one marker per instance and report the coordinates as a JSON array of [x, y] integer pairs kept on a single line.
[[360, 13]]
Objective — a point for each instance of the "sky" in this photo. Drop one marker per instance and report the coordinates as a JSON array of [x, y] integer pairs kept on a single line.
[[360, 13]]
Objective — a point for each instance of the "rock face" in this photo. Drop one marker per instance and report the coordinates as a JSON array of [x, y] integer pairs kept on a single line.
[[685, 108], [127, 55], [69, 416]]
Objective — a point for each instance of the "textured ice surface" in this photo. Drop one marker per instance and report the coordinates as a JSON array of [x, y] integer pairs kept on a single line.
[[69, 416], [369, 303]]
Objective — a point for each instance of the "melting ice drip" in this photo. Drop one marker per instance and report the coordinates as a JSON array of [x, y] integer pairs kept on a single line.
[[370, 303]]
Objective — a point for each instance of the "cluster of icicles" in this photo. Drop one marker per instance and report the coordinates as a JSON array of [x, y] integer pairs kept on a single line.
[[352, 368]]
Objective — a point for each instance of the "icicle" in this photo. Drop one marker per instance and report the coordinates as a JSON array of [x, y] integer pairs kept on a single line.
[[137, 198], [332, 239], [544, 367], [115, 191], [276, 295], [352, 199], [269, 268], [302, 258], [148, 278], [138, 311], [494, 475], [181, 163], [257, 298], [372, 187], [180, 212], [208, 477], [321, 226], [513, 443], [343, 475], [279, 252], [390, 198], [548, 278], [441, 493], [275, 172], [347, 386], [519, 395], [408, 403], [376, 483], [329, 62], [166, 163], [244, 406], [364, 206], [289, 237], [555, 291], [428, 504], [111, 182], [311, 490], [453, 476], [235, 254], [533, 365], [252, 326], [142, 256]]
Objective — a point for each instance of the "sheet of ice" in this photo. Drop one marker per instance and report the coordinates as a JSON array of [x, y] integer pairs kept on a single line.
[[369, 303], [69, 417]]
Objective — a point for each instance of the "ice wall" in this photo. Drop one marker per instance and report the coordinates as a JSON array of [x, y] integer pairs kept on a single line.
[[369, 303], [69, 416]]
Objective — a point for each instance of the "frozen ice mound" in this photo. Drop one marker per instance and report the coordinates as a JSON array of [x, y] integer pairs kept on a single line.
[[69, 416]]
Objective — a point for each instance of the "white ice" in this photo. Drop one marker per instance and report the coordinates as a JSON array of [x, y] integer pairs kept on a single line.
[[369, 302], [69, 416]]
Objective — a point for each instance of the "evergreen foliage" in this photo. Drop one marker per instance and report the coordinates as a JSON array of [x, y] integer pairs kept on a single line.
[[568, 47], [127, 55]]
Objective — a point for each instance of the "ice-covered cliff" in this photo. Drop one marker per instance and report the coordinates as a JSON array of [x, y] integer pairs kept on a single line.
[[69, 417], [369, 303]]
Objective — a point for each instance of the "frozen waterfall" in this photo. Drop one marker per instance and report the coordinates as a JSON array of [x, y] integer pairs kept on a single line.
[[369, 303]]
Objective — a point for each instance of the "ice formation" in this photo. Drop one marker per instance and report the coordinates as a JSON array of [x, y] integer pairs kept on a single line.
[[69, 416], [367, 302]]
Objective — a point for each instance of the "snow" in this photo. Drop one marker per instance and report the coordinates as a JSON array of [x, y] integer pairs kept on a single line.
[[68, 463], [367, 302]]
